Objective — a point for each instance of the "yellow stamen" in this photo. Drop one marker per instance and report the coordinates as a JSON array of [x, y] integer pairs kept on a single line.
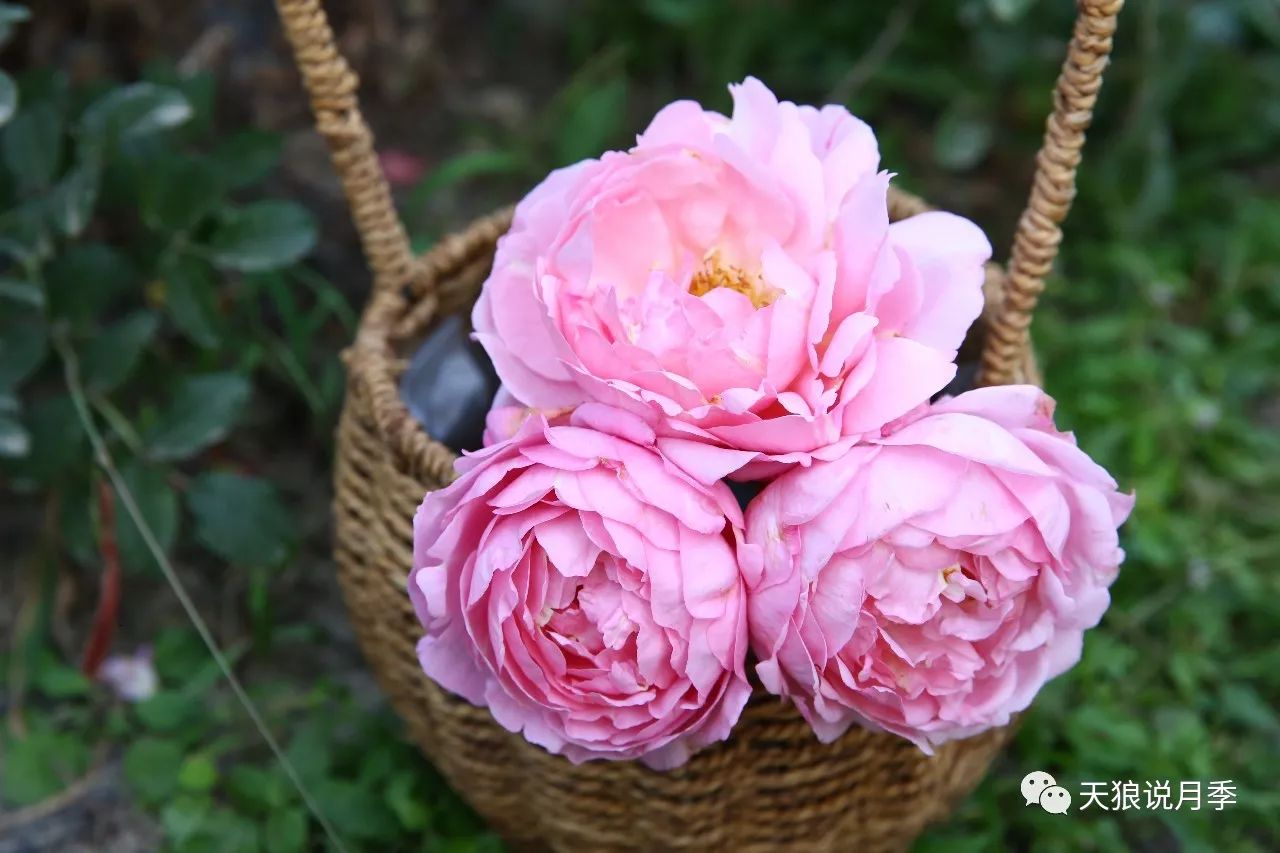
[[714, 274]]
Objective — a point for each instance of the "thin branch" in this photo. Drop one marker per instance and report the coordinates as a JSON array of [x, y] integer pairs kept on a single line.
[[71, 371], [876, 56], [37, 811], [119, 423]]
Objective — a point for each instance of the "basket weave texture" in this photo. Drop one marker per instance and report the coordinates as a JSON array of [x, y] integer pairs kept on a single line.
[[773, 785]]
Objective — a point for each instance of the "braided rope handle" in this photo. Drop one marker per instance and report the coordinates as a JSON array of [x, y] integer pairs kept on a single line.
[[1035, 243], [332, 84]]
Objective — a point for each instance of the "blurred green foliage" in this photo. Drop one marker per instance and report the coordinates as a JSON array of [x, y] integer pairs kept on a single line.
[[135, 237], [1159, 335]]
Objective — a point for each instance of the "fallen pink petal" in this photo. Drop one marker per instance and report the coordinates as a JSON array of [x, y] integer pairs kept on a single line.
[[131, 677]]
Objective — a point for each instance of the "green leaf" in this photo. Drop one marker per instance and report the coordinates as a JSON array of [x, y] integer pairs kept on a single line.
[[355, 810], [45, 84], [41, 764], [231, 833], [286, 831], [198, 87], [15, 441], [1242, 704], [24, 232], [201, 413], [70, 203], [59, 681], [33, 146], [241, 519], [112, 355], [132, 111], [407, 802], [310, 751], [255, 790], [170, 710], [262, 236], [179, 652], [592, 121], [191, 299], [23, 292], [675, 13], [962, 138], [159, 507], [178, 192], [8, 97], [10, 14], [151, 766], [201, 679], [247, 157], [198, 773], [474, 842], [23, 345], [87, 279], [1008, 11], [57, 438], [184, 817]]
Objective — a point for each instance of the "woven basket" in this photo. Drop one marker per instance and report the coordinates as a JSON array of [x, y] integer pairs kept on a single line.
[[772, 785]]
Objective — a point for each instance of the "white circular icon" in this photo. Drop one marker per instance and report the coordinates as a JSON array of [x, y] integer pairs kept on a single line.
[[1055, 799], [1034, 784]]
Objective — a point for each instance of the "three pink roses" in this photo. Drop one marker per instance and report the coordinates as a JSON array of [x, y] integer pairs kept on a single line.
[[728, 299]]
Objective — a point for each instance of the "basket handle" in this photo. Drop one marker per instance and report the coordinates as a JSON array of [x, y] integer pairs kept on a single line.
[[1007, 344], [332, 84]]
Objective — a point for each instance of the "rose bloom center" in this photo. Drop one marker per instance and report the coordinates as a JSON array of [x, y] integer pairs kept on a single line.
[[714, 274]]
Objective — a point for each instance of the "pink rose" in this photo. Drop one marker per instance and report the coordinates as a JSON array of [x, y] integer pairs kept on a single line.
[[506, 416], [586, 590], [931, 581], [739, 277]]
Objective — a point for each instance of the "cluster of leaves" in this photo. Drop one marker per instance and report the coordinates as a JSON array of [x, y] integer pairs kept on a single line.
[[123, 234], [121, 238], [188, 756], [133, 239]]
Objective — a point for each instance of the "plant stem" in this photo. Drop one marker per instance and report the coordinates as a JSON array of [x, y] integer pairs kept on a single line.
[[107, 614], [119, 423], [71, 372]]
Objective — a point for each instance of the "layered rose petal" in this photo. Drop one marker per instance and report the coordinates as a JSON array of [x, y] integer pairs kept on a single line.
[[737, 278], [928, 582], [585, 589]]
